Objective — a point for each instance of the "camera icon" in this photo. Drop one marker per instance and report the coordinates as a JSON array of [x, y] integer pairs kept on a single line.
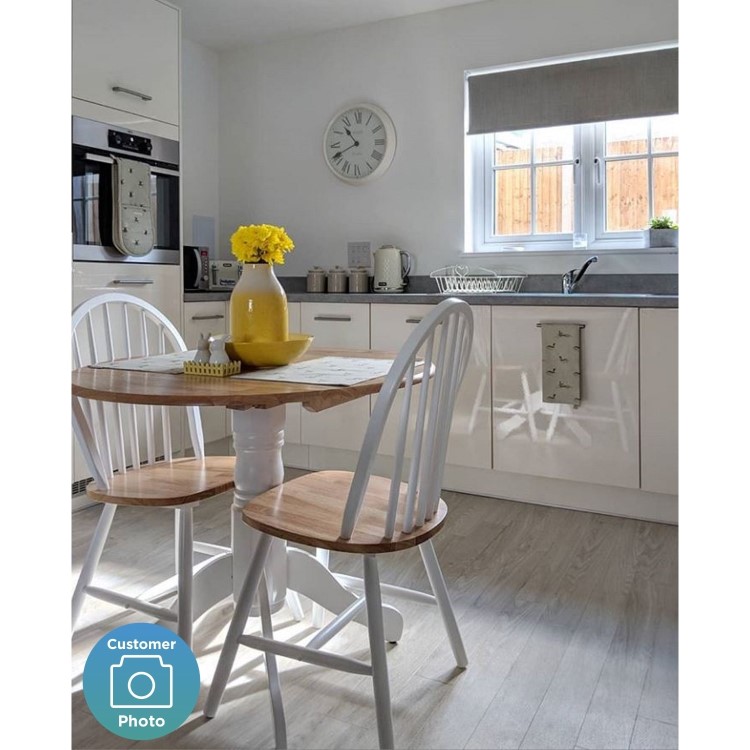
[[141, 682]]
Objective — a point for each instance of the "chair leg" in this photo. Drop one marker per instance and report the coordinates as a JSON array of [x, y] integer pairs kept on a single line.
[[241, 613], [274, 684], [295, 605], [437, 582], [94, 554], [185, 575], [375, 631]]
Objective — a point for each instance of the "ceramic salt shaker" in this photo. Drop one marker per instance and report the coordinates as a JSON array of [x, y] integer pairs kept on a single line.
[[219, 354], [203, 353]]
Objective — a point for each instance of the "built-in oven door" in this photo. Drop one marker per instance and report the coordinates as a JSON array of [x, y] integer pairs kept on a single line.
[[92, 211]]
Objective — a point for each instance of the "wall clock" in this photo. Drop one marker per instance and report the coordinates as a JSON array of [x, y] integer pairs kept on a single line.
[[359, 143]]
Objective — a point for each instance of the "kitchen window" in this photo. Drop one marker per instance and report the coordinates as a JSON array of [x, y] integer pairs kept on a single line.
[[577, 163], [597, 183]]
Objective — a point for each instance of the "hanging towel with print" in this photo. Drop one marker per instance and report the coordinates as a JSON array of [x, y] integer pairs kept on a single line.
[[132, 221], [561, 363]]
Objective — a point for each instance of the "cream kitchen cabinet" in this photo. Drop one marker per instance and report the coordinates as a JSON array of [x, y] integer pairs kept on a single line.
[[337, 325], [292, 426], [126, 55], [207, 318], [159, 285], [598, 442], [659, 407], [470, 442]]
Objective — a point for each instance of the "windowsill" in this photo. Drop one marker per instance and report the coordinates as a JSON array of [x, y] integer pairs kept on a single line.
[[560, 252]]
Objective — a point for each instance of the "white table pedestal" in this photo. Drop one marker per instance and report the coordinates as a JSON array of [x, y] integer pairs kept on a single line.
[[258, 439]]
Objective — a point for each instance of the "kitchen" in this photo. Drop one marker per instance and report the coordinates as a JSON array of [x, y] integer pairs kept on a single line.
[[239, 129]]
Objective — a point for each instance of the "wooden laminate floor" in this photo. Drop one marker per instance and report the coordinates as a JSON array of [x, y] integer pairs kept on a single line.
[[569, 619]]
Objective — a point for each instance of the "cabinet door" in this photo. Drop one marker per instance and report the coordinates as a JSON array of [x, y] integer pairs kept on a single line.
[[659, 405], [470, 438], [205, 318], [292, 425], [159, 285], [598, 442], [132, 45], [346, 326]]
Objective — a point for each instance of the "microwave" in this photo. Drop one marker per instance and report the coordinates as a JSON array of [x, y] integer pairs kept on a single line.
[[223, 274], [195, 267]]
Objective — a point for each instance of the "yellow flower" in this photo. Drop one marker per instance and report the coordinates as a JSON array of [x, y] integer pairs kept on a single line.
[[261, 242]]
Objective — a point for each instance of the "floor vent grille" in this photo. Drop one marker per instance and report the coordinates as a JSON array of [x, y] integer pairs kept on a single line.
[[79, 487]]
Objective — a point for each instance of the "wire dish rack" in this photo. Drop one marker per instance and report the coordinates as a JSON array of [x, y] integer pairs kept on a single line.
[[463, 280]]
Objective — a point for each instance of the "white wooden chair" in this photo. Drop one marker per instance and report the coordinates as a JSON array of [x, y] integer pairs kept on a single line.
[[129, 453], [365, 514]]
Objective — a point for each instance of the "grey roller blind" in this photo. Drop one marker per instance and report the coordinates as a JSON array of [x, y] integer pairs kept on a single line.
[[640, 84]]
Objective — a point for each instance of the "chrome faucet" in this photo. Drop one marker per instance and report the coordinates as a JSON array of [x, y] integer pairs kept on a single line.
[[571, 278]]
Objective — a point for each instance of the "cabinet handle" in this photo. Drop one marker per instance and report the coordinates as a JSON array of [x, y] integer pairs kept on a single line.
[[341, 318], [413, 320], [132, 282], [122, 90], [207, 317]]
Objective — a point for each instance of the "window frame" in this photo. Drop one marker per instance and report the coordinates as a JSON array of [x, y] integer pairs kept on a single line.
[[589, 146]]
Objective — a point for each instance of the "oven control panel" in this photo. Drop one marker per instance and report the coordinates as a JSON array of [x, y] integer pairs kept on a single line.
[[129, 142]]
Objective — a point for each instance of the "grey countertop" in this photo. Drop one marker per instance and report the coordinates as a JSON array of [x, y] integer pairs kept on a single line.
[[596, 290], [556, 299]]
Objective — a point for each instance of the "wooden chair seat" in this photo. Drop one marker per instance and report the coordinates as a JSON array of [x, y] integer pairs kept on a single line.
[[308, 510], [165, 484]]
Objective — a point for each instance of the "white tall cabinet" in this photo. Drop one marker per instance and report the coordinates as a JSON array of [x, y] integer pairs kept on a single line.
[[126, 71]]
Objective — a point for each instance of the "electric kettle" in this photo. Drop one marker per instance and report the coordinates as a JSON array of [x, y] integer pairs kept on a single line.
[[392, 267]]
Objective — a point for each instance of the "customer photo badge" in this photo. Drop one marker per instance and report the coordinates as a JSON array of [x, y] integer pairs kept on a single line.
[[141, 681]]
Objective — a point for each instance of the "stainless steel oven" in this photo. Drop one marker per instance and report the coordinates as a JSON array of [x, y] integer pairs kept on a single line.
[[95, 144]]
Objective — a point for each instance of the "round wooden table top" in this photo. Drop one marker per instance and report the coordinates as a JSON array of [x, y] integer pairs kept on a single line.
[[134, 387]]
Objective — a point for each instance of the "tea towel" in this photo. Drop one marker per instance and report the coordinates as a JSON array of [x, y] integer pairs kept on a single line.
[[132, 222], [561, 363]]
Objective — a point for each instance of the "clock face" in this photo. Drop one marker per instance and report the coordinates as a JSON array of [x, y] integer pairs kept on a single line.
[[359, 143]]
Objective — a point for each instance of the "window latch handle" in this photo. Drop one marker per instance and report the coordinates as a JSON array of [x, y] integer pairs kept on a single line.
[[598, 170]]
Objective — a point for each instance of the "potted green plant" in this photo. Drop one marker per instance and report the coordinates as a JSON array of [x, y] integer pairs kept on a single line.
[[662, 232]]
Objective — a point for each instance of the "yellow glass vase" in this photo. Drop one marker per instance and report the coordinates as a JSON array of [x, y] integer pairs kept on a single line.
[[257, 306]]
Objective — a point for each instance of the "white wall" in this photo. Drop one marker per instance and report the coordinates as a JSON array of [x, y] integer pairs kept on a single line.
[[200, 138], [276, 100]]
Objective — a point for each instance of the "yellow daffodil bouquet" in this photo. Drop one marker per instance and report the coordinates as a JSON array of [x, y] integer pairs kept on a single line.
[[261, 243]]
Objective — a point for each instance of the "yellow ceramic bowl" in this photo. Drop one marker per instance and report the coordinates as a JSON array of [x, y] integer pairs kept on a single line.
[[270, 353]]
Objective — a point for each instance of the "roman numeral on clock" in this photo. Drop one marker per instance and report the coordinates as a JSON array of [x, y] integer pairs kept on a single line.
[[376, 155], [358, 117], [376, 128], [356, 170], [380, 141]]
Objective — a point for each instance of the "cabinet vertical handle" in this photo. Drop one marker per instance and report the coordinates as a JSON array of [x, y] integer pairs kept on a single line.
[[123, 90]]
